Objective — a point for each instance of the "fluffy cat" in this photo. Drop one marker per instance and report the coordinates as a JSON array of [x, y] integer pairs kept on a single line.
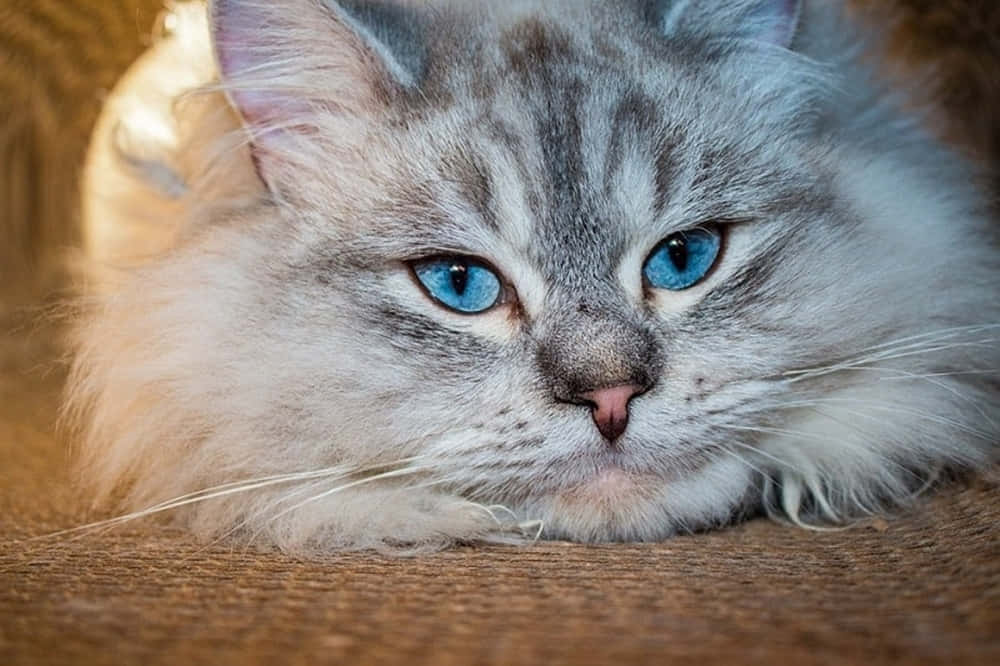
[[607, 269]]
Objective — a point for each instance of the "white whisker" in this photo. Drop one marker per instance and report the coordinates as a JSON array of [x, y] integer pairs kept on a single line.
[[743, 445], [890, 408], [393, 474], [891, 355], [221, 491]]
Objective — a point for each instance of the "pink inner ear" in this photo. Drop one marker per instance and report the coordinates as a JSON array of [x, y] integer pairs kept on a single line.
[[279, 60], [236, 30], [289, 66], [245, 49]]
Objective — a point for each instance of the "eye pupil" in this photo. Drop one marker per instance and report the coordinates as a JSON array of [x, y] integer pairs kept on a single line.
[[459, 278], [677, 247]]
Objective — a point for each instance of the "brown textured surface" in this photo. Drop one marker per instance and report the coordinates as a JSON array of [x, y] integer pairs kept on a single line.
[[927, 589]]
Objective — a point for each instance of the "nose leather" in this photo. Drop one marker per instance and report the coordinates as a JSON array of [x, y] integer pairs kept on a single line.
[[610, 408]]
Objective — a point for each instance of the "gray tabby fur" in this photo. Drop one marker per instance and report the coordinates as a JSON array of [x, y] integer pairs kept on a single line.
[[842, 352]]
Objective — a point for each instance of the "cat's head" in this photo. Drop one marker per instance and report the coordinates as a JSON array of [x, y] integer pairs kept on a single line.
[[621, 267]]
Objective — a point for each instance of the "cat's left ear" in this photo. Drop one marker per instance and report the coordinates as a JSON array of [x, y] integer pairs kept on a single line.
[[291, 67], [767, 21]]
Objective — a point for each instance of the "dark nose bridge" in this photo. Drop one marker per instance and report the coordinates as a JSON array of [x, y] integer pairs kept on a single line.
[[592, 348]]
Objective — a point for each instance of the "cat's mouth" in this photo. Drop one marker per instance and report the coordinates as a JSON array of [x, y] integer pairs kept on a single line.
[[616, 479]]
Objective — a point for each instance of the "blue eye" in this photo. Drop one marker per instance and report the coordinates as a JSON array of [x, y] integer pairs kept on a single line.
[[459, 283], [683, 259]]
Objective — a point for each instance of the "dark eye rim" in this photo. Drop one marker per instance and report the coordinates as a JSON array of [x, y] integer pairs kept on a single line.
[[507, 293], [715, 226]]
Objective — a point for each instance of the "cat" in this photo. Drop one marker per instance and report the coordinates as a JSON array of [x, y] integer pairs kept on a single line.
[[577, 269]]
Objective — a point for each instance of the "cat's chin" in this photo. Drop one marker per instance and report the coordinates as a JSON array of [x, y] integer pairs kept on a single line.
[[614, 504], [609, 485]]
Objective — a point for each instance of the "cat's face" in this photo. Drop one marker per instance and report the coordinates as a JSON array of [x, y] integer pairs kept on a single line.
[[562, 165], [587, 261]]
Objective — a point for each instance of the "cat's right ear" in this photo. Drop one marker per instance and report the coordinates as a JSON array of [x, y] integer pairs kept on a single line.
[[287, 66], [772, 22]]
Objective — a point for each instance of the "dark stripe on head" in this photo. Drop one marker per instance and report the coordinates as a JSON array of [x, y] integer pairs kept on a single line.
[[507, 138], [638, 120], [467, 171], [530, 44], [541, 58], [667, 167], [561, 138]]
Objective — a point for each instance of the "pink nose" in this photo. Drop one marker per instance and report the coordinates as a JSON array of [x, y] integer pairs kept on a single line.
[[611, 408]]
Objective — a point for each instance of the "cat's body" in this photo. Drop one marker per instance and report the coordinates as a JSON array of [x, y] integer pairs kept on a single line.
[[839, 349]]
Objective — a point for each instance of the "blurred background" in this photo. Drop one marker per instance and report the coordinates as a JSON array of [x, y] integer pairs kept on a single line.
[[59, 59]]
